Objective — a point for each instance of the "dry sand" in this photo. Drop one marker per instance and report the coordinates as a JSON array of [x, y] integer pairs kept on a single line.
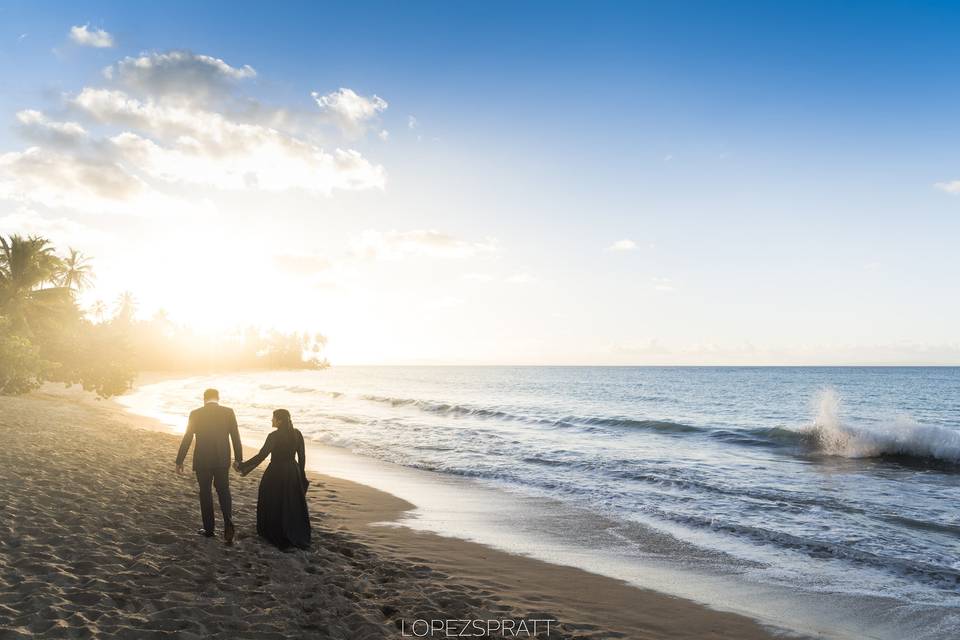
[[98, 540]]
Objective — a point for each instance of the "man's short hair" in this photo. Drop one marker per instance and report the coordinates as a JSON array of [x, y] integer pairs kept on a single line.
[[211, 394]]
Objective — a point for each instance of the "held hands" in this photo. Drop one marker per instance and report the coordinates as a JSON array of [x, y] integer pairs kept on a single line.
[[236, 466]]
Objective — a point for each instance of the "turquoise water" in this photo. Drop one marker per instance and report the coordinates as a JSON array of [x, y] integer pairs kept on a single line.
[[827, 480]]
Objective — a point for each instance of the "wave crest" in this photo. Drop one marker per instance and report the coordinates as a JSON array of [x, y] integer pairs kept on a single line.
[[902, 436]]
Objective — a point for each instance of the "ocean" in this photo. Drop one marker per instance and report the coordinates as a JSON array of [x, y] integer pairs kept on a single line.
[[837, 489]]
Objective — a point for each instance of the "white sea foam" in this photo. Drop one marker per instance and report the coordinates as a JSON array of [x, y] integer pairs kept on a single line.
[[901, 435]]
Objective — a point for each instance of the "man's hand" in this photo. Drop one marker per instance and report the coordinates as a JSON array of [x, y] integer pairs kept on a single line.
[[236, 466], [180, 468]]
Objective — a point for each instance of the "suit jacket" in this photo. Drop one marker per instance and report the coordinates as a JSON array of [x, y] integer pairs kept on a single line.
[[214, 427]]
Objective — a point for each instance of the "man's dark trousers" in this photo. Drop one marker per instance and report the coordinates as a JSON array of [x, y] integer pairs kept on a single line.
[[220, 478]]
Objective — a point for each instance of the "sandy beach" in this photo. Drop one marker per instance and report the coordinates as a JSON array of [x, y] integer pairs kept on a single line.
[[98, 540]]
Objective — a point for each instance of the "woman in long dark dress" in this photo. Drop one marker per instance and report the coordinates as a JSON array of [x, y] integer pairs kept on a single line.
[[282, 516]]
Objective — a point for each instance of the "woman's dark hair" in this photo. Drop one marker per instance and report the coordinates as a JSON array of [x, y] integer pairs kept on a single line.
[[282, 416]]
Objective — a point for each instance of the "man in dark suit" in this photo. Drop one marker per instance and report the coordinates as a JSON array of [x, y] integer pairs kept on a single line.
[[214, 427]]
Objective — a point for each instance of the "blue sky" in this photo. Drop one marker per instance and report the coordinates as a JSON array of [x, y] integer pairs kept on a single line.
[[774, 165]]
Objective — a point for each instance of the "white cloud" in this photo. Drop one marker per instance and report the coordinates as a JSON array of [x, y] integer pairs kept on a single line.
[[384, 135], [622, 245], [36, 126], [151, 138], [183, 74], [175, 120], [392, 245], [272, 163], [950, 187], [97, 38], [206, 147], [412, 122], [351, 111]]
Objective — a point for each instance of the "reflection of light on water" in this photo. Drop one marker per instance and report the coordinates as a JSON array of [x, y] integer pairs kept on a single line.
[[144, 403], [171, 401]]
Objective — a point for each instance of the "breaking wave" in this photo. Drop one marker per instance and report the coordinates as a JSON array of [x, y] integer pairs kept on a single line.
[[901, 436]]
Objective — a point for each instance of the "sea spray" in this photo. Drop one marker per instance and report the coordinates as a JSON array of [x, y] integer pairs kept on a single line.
[[900, 436]]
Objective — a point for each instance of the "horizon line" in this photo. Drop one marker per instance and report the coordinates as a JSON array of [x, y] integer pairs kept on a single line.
[[663, 366]]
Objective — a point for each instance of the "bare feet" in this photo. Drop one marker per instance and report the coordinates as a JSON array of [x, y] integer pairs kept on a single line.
[[228, 532]]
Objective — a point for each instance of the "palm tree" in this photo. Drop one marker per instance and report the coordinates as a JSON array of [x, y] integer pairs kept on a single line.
[[99, 310], [29, 292], [76, 272], [126, 307]]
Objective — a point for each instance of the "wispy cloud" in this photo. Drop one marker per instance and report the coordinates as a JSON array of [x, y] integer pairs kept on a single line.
[[622, 245], [391, 245], [85, 37], [950, 187]]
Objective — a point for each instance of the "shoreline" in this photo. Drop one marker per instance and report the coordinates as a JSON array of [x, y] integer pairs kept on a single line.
[[455, 579]]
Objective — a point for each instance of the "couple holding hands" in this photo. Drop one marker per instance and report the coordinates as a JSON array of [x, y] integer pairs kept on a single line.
[[282, 516]]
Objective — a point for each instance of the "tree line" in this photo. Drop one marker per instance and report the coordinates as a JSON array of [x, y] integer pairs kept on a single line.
[[46, 335]]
